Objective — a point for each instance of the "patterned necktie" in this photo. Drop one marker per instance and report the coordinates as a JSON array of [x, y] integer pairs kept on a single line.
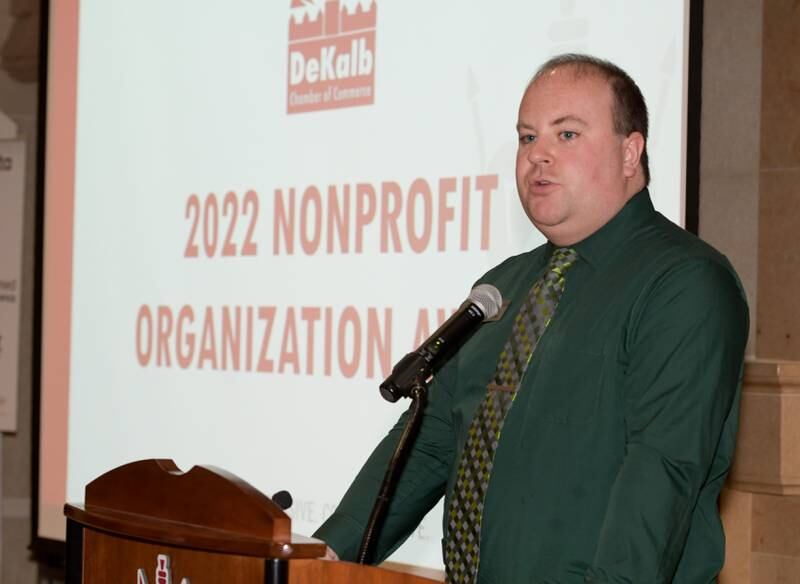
[[475, 467]]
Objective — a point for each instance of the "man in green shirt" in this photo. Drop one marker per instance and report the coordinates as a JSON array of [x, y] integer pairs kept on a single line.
[[622, 428]]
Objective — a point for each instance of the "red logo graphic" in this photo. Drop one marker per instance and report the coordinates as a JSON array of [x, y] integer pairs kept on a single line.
[[331, 55], [163, 573]]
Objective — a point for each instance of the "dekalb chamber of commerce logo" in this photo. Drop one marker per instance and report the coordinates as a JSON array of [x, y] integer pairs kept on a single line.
[[163, 572], [331, 54]]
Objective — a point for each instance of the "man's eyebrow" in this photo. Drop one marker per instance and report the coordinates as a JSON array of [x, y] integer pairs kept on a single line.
[[557, 122], [568, 118]]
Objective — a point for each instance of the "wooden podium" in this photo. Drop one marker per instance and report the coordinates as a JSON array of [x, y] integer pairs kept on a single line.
[[149, 523]]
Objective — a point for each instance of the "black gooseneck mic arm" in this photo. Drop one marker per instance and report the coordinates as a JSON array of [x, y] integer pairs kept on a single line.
[[409, 378], [419, 398]]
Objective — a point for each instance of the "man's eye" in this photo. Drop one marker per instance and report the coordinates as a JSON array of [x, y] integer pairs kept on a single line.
[[569, 135], [527, 139]]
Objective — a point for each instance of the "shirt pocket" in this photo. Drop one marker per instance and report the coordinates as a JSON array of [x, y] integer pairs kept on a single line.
[[566, 387]]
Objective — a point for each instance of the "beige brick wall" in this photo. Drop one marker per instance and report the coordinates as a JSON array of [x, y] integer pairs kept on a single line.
[[750, 209], [18, 100]]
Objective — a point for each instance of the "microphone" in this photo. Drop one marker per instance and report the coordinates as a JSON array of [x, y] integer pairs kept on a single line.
[[483, 303], [282, 499]]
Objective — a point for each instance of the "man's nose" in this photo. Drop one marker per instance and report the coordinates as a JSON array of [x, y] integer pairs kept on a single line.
[[540, 153]]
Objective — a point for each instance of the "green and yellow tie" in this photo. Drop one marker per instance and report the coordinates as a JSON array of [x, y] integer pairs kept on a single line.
[[475, 467]]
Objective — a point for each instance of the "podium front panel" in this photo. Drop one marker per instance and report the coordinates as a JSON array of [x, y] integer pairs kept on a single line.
[[108, 558]]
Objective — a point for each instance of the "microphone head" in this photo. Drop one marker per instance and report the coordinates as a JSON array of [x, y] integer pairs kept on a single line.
[[282, 499], [488, 299]]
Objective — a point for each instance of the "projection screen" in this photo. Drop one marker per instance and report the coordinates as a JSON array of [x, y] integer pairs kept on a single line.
[[253, 209]]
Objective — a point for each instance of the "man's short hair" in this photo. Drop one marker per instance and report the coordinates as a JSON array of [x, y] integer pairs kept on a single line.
[[629, 109]]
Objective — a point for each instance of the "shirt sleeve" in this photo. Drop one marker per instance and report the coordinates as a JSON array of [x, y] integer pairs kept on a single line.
[[422, 481], [680, 386]]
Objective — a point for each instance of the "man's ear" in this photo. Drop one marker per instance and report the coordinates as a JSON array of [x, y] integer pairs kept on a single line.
[[632, 148]]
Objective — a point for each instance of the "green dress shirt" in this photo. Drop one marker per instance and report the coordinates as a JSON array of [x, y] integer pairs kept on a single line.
[[612, 457]]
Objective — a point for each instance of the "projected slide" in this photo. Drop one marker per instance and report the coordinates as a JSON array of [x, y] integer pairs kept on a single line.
[[255, 209]]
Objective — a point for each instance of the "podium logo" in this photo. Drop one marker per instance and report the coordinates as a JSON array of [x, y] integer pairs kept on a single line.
[[331, 54], [163, 572]]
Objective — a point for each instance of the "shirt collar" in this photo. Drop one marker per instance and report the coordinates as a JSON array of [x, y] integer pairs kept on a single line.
[[610, 236]]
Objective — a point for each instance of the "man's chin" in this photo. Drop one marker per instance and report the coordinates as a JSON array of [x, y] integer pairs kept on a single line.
[[555, 230], [547, 221]]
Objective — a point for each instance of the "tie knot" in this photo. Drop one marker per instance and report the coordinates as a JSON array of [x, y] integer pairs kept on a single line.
[[562, 259]]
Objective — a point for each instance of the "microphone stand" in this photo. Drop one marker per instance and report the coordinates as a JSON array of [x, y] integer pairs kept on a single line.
[[419, 397]]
